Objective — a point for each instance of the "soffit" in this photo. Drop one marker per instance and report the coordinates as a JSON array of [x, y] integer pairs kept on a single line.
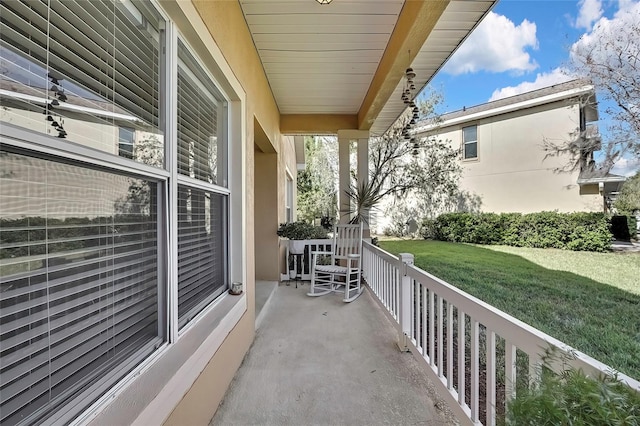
[[321, 59]]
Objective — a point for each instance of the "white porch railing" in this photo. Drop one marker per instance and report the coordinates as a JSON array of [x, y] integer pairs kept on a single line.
[[299, 265], [478, 355]]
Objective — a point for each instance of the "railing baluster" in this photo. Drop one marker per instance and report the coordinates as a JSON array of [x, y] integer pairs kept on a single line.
[[475, 369], [449, 346], [491, 378], [423, 319], [535, 366], [440, 324], [418, 329], [432, 345], [461, 356], [510, 371]]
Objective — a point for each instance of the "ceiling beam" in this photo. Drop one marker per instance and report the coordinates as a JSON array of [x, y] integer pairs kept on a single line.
[[415, 23], [316, 124]]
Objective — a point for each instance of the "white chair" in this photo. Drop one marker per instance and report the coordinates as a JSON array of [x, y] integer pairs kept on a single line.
[[340, 273]]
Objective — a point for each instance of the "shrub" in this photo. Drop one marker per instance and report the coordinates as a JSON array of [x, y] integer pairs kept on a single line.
[[428, 229], [633, 226], [572, 398], [301, 231], [573, 231]]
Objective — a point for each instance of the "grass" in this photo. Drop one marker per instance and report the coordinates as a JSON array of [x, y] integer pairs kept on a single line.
[[590, 301]]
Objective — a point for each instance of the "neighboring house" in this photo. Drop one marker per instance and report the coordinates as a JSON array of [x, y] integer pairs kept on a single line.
[[503, 157], [146, 158]]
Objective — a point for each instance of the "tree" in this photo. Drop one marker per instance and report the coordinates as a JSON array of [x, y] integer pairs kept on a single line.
[[628, 201], [609, 56], [317, 184], [413, 175]]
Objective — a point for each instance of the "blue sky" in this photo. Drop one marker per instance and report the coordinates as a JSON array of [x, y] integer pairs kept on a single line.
[[523, 45]]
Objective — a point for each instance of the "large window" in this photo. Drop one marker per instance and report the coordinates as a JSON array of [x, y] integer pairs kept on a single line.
[[79, 284], [85, 257], [202, 204], [82, 70], [470, 142]]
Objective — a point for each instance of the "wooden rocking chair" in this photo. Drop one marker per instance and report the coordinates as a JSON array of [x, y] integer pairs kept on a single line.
[[342, 271]]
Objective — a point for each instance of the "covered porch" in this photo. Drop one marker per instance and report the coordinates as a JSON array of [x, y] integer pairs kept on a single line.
[[413, 349], [322, 361]]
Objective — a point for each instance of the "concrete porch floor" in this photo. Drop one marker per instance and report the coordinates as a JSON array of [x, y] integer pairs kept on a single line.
[[320, 361]]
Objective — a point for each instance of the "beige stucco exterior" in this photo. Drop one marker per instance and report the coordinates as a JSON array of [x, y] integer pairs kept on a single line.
[[512, 172]]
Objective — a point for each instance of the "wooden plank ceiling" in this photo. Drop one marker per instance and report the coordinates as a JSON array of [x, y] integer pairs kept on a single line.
[[322, 59]]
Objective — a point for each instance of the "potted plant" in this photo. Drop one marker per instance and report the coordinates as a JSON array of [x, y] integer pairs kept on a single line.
[[298, 232]]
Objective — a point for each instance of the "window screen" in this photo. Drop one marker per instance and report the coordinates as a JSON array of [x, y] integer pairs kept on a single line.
[[81, 70], [78, 282], [202, 249]]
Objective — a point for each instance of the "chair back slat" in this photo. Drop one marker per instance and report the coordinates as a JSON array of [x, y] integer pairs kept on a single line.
[[347, 239]]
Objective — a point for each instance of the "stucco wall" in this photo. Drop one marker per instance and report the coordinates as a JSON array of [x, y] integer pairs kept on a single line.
[[511, 173], [226, 25]]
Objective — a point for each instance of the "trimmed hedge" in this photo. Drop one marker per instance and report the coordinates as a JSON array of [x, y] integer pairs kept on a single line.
[[571, 231]]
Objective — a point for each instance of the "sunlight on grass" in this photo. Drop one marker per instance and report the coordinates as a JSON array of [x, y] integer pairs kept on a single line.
[[620, 270]]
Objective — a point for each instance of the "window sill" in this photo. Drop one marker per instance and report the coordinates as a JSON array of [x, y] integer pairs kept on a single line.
[[155, 390]]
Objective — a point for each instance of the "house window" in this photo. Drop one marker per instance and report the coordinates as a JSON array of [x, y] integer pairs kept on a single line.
[[289, 199], [84, 252], [79, 282], [125, 142], [202, 204], [83, 70], [470, 142]]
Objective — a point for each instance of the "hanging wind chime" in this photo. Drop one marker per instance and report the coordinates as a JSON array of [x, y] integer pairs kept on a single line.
[[407, 97], [58, 96]]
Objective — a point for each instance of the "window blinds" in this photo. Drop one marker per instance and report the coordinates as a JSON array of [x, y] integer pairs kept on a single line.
[[78, 281], [198, 122], [202, 249]]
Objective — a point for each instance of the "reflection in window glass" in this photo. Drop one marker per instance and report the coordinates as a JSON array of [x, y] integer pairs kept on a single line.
[[202, 249], [100, 71], [200, 123], [125, 142], [78, 281]]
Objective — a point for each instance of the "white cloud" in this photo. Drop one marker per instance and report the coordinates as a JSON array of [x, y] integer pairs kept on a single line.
[[496, 45], [626, 167], [625, 5], [590, 11], [606, 29], [558, 75]]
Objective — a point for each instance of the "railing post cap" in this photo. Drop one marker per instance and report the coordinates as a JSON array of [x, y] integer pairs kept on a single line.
[[406, 257]]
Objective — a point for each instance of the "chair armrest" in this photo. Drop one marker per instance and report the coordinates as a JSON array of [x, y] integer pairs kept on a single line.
[[316, 254], [354, 256]]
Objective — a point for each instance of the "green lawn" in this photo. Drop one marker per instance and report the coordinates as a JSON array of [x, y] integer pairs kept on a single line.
[[590, 301]]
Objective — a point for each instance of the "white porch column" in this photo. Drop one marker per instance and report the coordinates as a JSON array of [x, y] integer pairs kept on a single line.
[[363, 175], [361, 137], [343, 178]]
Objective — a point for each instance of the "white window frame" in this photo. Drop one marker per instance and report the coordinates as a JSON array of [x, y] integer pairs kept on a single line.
[[465, 143]]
